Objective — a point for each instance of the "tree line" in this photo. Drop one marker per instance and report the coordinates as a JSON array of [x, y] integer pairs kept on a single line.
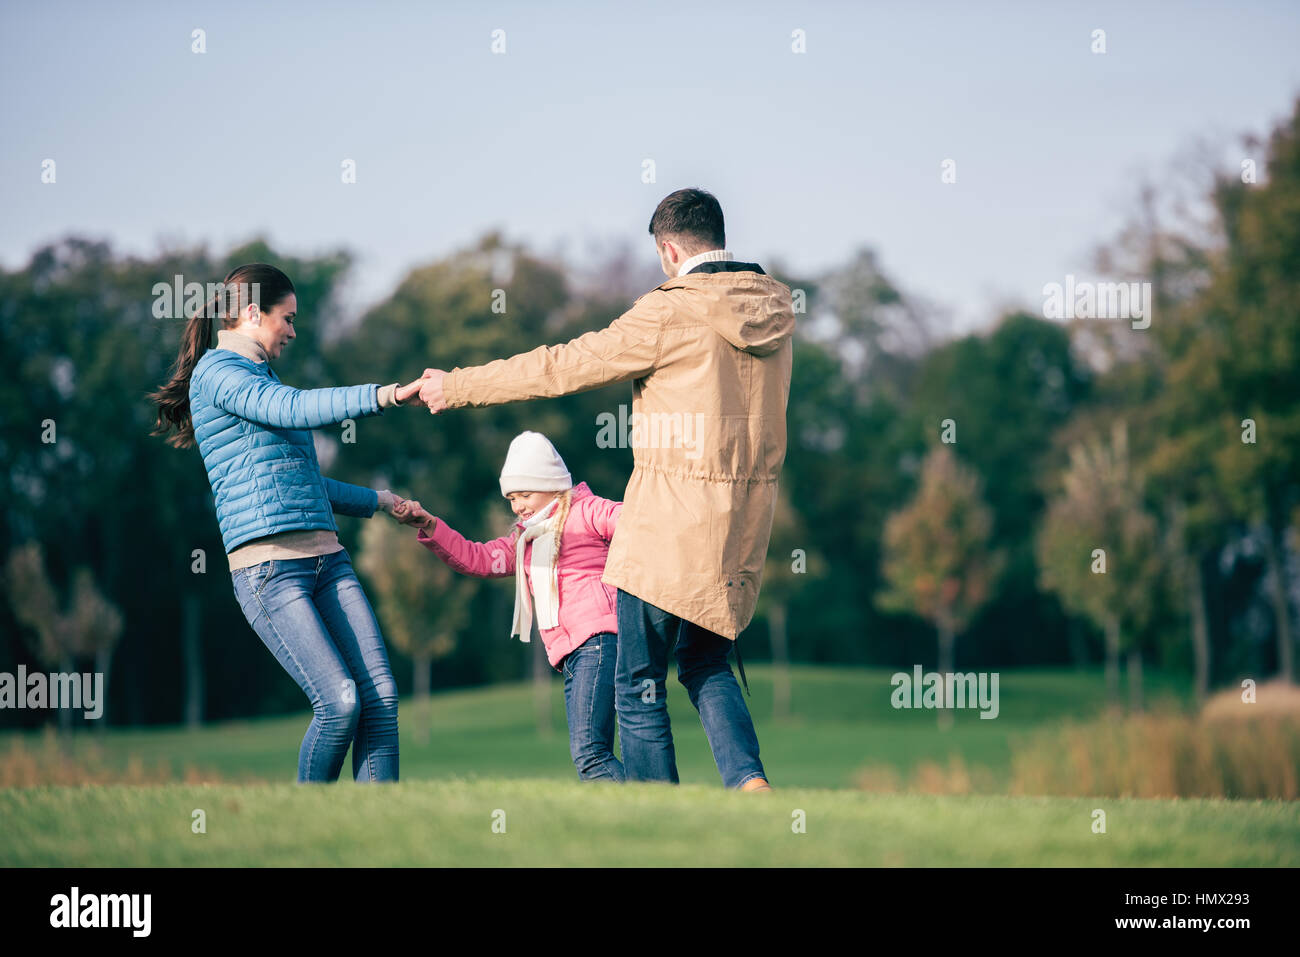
[[1042, 493]]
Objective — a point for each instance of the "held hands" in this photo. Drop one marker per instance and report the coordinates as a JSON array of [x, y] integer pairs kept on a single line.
[[389, 502], [411, 512], [426, 390], [409, 394]]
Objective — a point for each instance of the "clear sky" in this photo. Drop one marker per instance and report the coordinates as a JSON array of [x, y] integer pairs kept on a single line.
[[812, 154]]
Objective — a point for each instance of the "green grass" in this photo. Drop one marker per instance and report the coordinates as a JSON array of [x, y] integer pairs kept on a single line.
[[553, 823], [842, 721], [484, 754]]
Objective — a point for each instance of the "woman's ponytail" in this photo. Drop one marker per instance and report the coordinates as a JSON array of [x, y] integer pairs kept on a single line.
[[251, 283], [173, 399]]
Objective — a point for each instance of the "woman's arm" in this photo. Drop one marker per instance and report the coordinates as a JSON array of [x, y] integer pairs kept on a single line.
[[355, 500], [233, 387]]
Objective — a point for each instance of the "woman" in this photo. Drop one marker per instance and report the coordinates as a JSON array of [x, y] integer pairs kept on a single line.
[[291, 575]]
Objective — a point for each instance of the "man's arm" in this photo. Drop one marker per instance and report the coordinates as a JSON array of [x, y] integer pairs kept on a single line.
[[628, 348]]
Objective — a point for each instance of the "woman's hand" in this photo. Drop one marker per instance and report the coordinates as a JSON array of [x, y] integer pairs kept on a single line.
[[409, 394]]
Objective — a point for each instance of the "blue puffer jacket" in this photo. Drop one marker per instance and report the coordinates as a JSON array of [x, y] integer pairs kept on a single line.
[[253, 434]]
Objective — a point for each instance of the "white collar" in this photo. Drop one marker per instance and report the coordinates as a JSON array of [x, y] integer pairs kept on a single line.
[[712, 256], [246, 346]]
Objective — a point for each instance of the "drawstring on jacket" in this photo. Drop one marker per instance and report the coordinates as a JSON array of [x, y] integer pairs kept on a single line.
[[740, 664]]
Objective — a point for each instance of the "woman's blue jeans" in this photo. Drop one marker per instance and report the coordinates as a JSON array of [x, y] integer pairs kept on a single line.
[[314, 617], [589, 704]]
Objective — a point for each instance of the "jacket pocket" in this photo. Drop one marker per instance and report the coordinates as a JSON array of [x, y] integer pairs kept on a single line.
[[605, 599], [297, 484]]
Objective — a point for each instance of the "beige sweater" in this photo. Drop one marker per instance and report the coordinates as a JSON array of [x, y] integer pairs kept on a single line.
[[309, 543]]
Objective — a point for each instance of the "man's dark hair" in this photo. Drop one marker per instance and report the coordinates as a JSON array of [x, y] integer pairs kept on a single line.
[[692, 213]]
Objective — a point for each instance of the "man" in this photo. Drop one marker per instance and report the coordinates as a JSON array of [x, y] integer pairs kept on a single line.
[[709, 356]]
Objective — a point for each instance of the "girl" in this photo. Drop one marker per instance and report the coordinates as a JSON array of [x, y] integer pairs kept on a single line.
[[560, 543], [293, 579]]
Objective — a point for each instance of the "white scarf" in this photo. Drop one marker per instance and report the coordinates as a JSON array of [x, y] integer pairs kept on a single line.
[[540, 529]]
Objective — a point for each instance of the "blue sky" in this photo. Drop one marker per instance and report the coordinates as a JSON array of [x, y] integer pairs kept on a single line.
[[813, 155]]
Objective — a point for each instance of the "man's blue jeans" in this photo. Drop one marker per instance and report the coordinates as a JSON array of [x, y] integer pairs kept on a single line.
[[314, 617], [589, 705], [645, 633]]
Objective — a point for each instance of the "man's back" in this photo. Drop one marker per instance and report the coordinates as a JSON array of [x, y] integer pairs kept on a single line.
[[709, 440], [709, 355]]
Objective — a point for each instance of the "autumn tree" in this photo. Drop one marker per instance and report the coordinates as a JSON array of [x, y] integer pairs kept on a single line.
[[1098, 551], [422, 603], [937, 557], [88, 625]]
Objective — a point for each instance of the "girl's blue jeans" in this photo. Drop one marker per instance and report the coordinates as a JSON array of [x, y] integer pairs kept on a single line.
[[314, 617], [589, 703]]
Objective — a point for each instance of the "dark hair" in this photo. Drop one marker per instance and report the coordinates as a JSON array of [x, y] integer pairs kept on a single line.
[[251, 283], [691, 213]]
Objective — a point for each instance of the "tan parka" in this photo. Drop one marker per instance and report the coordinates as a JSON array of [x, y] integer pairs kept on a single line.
[[709, 355]]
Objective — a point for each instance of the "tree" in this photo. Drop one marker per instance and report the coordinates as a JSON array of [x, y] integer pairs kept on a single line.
[[937, 559], [1247, 361], [789, 565], [422, 603], [1097, 551], [1216, 403], [88, 628], [1172, 439], [1001, 395]]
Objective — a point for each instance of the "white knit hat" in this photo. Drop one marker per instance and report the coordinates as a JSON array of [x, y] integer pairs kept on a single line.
[[533, 465]]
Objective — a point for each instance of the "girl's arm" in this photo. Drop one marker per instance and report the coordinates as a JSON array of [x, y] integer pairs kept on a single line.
[[494, 559], [235, 388], [603, 516]]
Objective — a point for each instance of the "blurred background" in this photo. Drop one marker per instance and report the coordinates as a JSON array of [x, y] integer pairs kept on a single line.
[[959, 454]]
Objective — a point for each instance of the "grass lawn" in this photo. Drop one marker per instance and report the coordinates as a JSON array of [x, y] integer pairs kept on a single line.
[[555, 823], [484, 762], [841, 721]]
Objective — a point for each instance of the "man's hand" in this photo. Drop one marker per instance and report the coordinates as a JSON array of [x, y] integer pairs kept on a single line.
[[431, 390]]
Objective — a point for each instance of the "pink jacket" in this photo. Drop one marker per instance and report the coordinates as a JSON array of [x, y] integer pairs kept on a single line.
[[586, 603]]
